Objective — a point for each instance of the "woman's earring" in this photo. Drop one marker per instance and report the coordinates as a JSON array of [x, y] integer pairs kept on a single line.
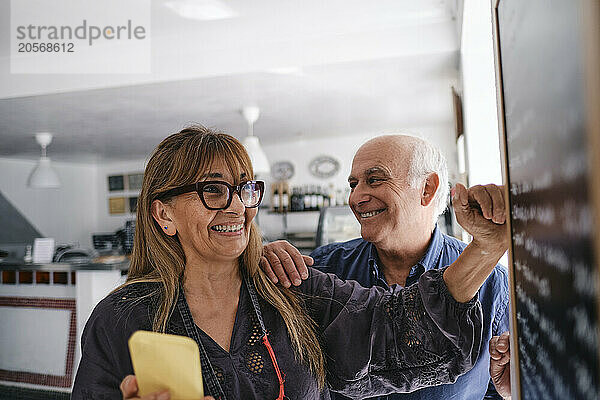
[[166, 227]]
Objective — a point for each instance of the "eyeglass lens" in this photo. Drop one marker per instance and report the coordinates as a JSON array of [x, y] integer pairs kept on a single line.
[[216, 195]]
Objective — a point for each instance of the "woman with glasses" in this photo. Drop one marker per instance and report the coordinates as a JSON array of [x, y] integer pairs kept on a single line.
[[195, 272]]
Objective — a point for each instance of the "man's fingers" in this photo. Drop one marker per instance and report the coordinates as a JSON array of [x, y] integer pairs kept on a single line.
[[296, 256], [289, 265], [505, 359], [497, 196], [459, 201], [266, 267], [308, 260], [483, 199], [277, 268], [503, 344], [460, 195], [494, 353]]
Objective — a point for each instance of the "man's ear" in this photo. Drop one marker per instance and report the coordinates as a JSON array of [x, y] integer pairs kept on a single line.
[[432, 182], [161, 214]]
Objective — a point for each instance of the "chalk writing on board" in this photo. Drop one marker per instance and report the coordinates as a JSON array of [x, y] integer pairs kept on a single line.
[[530, 345], [544, 324], [544, 181], [583, 328], [535, 330], [541, 213], [571, 216], [541, 283], [584, 275]]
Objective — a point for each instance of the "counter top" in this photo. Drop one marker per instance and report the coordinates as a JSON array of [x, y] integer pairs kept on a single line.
[[22, 266]]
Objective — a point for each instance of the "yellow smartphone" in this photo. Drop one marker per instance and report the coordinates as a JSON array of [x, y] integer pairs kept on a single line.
[[161, 361]]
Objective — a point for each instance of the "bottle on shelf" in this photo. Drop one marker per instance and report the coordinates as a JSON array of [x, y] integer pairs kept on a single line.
[[320, 198], [314, 201], [307, 198], [326, 202], [285, 197], [297, 199], [332, 201], [276, 200]]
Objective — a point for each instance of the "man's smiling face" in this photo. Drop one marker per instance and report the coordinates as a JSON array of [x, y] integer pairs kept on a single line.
[[382, 200]]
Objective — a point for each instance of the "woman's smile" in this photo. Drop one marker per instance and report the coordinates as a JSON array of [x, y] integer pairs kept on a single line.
[[228, 229]]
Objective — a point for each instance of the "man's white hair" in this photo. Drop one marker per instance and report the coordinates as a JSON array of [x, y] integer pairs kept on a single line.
[[426, 159]]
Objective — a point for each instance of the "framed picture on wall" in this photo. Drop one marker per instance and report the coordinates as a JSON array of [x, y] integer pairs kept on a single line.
[[116, 183], [134, 181], [133, 204], [116, 205]]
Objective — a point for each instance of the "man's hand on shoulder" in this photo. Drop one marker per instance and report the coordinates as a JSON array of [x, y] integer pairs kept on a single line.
[[283, 263]]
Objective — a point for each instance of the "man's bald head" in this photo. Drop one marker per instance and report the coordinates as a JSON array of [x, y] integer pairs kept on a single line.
[[399, 142]]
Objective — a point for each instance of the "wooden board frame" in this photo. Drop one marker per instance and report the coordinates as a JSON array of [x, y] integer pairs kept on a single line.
[[515, 378], [591, 35]]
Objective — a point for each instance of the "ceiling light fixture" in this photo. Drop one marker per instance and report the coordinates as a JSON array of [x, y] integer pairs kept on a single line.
[[260, 163], [43, 175], [202, 10]]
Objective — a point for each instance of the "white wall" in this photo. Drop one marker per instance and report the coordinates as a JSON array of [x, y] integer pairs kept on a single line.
[[66, 213], [479, 94]]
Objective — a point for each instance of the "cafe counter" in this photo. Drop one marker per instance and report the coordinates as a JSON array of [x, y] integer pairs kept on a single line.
[[43, 310]]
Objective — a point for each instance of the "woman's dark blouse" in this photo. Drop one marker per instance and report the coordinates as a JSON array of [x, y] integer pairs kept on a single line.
[[375, 341]]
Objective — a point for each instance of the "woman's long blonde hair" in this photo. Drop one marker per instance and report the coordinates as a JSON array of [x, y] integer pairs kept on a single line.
[[179, 160]]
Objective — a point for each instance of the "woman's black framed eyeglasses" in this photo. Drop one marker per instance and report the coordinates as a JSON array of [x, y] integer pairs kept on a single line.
[[217, 195]]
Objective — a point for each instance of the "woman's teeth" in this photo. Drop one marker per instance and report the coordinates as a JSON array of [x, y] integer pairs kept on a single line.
[[370, 213], [228, 228]]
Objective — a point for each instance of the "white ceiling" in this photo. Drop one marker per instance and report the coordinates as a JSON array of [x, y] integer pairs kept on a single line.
[[351, 66]]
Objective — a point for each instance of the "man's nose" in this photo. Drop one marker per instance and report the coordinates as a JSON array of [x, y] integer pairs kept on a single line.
[[360, 194]]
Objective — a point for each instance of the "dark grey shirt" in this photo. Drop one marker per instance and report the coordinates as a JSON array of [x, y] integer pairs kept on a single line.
[[375, 341]]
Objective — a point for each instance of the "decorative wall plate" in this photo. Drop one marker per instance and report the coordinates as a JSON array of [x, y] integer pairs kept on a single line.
[[282, 170], [324, 166]]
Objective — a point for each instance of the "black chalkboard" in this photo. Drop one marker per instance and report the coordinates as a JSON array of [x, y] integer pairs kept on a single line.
[[543, 71]]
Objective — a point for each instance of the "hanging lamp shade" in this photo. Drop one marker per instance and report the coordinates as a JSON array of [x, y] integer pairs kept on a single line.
[[260, 163], [43, 175]]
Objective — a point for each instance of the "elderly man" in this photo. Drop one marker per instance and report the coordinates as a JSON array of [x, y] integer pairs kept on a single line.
[[399, 186]]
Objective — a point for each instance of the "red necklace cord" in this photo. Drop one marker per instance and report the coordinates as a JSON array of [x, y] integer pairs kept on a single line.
[[277, 371]]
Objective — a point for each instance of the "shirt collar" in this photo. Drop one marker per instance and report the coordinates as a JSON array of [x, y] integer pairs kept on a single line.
[[374, 270], [429, 260], [432, 256]]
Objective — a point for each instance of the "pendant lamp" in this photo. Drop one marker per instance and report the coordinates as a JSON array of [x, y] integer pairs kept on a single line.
[[43, 175], [260, 164]]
